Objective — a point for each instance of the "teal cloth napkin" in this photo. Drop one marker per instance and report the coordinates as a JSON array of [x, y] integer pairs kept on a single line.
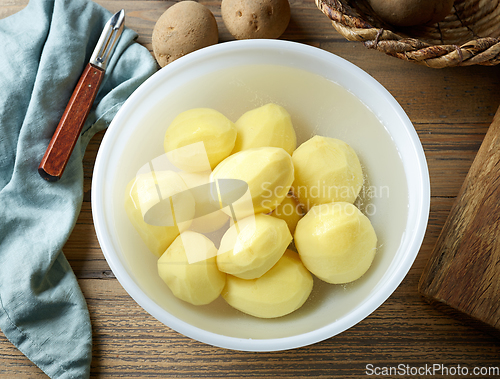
[[43, 51]]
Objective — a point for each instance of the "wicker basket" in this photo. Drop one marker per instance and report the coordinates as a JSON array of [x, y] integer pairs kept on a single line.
[[469, 35]]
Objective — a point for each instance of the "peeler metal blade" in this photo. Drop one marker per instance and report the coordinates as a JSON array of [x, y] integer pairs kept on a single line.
[[109, 36]]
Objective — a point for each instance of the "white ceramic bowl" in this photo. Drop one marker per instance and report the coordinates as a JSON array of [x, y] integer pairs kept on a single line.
[[325, 95]]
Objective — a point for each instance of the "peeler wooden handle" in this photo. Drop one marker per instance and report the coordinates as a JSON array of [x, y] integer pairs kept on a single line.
[[70, 126]]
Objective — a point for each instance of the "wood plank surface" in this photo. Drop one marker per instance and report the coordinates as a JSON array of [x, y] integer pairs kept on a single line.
[[451, 110], [462, 276]]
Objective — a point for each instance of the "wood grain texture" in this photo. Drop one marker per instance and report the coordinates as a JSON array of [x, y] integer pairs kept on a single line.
[[463, 274], [451, 110]]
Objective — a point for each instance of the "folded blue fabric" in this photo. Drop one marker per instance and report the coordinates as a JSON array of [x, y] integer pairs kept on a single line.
[[43, 51]]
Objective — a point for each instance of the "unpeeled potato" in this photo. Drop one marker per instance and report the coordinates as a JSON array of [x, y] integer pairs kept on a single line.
[[412, 12], [184, 27], [255, 18]]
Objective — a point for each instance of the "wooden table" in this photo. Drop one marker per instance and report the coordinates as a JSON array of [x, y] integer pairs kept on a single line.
[[451, 110]]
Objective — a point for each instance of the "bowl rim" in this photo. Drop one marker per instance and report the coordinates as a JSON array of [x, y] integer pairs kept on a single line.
[[413, 242]]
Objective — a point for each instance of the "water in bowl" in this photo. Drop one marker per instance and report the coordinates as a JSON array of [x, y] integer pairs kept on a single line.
[[318, 107]]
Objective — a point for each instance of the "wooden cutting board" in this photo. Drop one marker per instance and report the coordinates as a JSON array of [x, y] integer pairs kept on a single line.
[[462, 276]]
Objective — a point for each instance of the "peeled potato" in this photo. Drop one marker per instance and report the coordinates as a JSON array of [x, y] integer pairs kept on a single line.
[[336, 242], [269, 125], [268, 171], [210, 222], [252, 246], [141, 196], [199, 282], [208, 216], [326, 170], [290, 211], [280, 291], [212, 128]]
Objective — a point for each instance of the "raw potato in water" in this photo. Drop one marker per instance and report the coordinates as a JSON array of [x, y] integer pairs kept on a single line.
[[268, 171], [199, 282], [252, 246], [326, 170], [205, 125], [290, 211], [141, 196], [269, 125], [207, 219], [336, 242], [280, 291]]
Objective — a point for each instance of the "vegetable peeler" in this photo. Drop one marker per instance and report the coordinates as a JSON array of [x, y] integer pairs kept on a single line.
[[70, 126]]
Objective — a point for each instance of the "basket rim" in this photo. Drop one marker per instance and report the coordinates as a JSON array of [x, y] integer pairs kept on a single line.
[[478, 51]]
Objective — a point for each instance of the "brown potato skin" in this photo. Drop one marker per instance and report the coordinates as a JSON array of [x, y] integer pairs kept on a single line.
[[184, 27], [411, 12], [247, 19]]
